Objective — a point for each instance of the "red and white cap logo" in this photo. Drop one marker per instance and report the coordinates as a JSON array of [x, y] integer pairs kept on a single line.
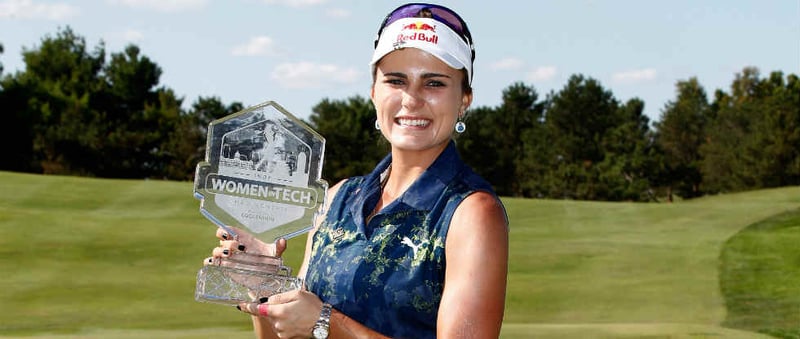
[[428, 35]]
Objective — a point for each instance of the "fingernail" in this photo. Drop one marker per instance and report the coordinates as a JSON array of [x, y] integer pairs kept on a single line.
[[225, 252], [263, 300], [238, 307], [241, 248], [210, 260], [225, 236]]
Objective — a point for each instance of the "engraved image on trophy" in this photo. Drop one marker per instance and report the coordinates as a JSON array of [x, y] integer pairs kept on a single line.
[[262, 176]]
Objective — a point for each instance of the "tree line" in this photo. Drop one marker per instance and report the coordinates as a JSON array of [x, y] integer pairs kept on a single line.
[[73, 110]]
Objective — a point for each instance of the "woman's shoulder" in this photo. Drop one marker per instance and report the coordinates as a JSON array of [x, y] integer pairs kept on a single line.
[[473, 182], [481, 203]]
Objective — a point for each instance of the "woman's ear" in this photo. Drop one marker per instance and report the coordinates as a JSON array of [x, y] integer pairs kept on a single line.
[[466, 101]]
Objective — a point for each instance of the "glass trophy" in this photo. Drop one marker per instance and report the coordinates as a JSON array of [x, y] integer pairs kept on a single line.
[[261, 175]]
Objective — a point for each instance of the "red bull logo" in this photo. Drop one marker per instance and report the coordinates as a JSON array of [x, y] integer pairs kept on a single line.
[[421, 36], [425, 32], [420, 26]]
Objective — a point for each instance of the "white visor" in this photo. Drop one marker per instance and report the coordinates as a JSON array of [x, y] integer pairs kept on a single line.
[[428, 35]]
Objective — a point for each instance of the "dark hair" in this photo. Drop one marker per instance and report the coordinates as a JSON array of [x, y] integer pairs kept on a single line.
[[465, 86]]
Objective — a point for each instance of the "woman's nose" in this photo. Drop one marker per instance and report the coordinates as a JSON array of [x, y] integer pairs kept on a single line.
[[411, 98]]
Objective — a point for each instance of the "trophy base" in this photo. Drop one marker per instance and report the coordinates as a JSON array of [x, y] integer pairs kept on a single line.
[[248, 278]]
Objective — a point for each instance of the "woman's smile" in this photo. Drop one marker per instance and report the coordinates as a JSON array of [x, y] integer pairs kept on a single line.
[[412, 122]]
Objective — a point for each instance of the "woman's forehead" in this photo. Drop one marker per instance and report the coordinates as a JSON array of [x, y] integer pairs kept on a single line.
[[414, 60]]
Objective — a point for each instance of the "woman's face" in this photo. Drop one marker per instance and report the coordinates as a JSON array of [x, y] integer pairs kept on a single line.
[[418, 99]]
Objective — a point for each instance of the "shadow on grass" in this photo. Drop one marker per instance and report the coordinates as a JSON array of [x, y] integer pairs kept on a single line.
[[760, 277]]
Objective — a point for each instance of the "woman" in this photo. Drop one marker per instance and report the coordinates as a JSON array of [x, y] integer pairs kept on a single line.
[[419, 247]]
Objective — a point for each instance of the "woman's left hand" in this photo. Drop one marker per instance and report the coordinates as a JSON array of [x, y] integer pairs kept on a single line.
[[292, 314]]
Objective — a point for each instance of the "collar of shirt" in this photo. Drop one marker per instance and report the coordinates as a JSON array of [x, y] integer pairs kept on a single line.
[[419, 196]]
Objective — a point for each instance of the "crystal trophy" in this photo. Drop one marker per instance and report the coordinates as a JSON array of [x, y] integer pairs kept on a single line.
[[261, 175]]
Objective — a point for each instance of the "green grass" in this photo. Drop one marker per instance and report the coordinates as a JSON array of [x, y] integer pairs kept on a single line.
[[760, 276], [595, 262], [96, 258]]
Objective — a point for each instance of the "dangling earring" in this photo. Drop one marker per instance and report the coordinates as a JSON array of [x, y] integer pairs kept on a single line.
[[460, 126], [377, 125]]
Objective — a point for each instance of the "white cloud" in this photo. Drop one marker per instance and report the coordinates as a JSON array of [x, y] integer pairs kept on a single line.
[[544, 73], [295, 3], [163, 5], [27, 9], [635, 76], [305, 75], [507, 64], [132, 35], [257, 46], [338, 13]]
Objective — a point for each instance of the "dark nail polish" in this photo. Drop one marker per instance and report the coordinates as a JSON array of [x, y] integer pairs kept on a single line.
[[225, 236], [263, 300], [241, 248], [210, 260], [226, 252], [238, 307]]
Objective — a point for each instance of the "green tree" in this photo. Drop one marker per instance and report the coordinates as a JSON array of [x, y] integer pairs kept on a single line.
[[136, 117], [779, 131], [89, 117], [680, 133], [353, 145], [17, 132], [18, 121], [57, 84], [753, 139], [578, 119], [186, 144], [628, 156], [479, 145], [494, 144]]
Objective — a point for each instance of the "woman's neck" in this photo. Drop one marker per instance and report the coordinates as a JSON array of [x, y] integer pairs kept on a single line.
[[407, 166]]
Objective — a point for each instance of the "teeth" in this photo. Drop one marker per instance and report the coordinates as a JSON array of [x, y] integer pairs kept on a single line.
[[413, 122]]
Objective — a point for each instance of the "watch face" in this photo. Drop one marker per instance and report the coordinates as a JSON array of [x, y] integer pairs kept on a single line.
[[320, 332]]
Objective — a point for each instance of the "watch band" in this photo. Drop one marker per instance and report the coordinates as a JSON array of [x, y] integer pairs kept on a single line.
[[322, 327], [325, 313]]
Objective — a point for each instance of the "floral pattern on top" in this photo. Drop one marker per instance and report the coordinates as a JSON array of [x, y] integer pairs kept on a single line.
[[388, 274]]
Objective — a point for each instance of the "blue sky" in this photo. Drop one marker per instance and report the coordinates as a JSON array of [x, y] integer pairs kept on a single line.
[[297, 52]]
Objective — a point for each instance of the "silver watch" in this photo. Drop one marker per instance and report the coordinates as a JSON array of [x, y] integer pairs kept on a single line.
[[322, 327]]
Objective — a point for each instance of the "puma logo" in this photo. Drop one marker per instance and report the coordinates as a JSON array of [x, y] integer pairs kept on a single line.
[[414, 247]]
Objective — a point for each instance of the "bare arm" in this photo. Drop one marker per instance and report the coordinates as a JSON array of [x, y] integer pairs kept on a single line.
[[473, 301]]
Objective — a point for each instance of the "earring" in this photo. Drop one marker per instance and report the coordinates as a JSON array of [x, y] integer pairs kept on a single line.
[[460, 126], [377, 125]]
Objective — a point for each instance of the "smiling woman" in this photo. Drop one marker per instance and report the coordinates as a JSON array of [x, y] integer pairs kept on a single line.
[[415, 95], [402, 251]]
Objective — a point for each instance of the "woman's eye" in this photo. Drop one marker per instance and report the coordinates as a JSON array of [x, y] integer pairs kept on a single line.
[[394, 81], [436, 83]]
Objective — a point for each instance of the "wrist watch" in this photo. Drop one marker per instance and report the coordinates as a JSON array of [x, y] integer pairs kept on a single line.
[[321, 328]]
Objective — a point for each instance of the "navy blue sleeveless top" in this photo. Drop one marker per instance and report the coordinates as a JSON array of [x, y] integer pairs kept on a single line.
[[388, 274]]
